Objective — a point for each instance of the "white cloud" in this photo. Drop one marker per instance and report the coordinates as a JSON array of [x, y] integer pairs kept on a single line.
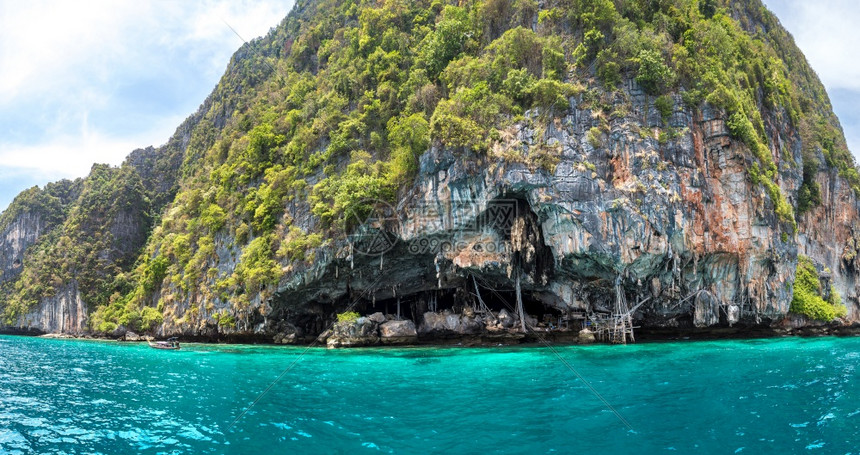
[[72, 155], [85, 82], [51, 44], [826, 31], [42, 41]]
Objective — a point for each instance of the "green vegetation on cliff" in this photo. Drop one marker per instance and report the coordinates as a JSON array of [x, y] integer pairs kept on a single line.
[[46, 209], [335, 106], [51, 204], [808, 295], [97, 241]]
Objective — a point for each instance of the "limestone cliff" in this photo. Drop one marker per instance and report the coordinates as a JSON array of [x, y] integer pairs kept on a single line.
[[63, 312], [32, 214], [437, 162], [22, 232], [679, 223]]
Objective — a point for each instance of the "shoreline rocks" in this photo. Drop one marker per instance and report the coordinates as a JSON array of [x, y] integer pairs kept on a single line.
[[398, 332], [452, 329]]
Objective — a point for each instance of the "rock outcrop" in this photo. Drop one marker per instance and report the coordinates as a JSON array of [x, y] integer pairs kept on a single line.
[[361, 332], [604, 198], [679, 224], [22, 232], [398, 332], [65, 312], [830, 235], [370, 331]]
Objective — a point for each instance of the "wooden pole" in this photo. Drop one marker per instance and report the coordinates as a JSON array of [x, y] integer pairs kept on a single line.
[[520, 303], [484, 307]]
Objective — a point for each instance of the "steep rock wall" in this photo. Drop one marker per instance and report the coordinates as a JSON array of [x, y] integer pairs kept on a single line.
[[611, 197], [14, 241], [677, 224], [829, 235], [104, 220], [672, 220], [65, 312]]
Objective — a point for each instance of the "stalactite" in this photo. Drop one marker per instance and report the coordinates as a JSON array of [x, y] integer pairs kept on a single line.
[[437, 262], [520, 311]]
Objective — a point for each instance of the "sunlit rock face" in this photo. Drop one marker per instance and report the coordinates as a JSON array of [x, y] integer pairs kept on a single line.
[[64, 312], [14, 241], [676, 224], [672, 223], [596, 203]]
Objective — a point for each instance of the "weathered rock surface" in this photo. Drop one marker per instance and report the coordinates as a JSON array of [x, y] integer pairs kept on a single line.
[[288, 334], [377, 317], [679, 224], [14, 241], [659, 210], [505, 319], [119, 332], [398, 332], [66, 312], [447, 322], [830, 235], [361, 332], [586, 336]]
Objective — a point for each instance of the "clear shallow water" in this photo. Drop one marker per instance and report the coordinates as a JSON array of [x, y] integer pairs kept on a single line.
[[755, 396]]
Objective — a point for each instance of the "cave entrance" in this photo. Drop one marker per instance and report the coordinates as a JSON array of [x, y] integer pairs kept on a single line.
[[413, 306], [457, 300], [513, 219], [499, 297]]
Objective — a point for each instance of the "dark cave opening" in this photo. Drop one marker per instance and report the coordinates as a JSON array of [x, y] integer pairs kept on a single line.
[[498, 299], [413, 306], [457, 300], [408, 284]]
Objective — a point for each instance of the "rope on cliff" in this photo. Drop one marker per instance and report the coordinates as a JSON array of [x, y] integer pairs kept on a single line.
[[484, 307], [254, 50], [690, 296]]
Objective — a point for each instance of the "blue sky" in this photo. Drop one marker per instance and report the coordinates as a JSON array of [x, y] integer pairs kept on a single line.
[[827, 33], [86, 82]]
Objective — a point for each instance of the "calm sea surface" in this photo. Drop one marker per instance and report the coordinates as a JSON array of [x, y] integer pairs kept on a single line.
[[778, 396]]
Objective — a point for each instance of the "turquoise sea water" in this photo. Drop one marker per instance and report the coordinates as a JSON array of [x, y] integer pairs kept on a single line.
[[776, 396]]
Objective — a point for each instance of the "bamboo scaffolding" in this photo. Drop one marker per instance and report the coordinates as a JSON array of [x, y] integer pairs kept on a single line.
[[617, 327]]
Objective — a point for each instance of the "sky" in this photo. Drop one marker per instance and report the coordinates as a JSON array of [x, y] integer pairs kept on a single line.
[[826, 32], [88, 82]]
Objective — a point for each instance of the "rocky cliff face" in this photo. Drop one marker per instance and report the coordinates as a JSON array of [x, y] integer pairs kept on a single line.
[[829, 235], [63, 312], [636, 186], [34, 213], [677, 225], [22, 232], [63, 247]]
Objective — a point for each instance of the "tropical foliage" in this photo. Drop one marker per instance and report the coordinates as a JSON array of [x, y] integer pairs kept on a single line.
[[336, 105], [807, 299]]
